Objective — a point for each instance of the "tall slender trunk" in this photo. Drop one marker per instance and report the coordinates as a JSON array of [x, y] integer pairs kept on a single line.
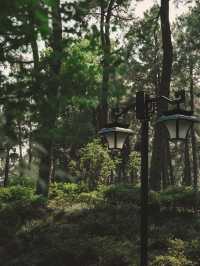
[[53, 168], [106, 13], [44, 165], [159, 163], [7, 166], [42, 187], [48, 109], [9, 131], [193, 137], [194, 156], [172, 179], [21, 164], [165, 174], [187, 169], [30, 149]]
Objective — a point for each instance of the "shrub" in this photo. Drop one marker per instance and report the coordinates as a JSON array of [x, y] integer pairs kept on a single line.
[[18, 205], [26, 181], [15, 193], [96, 165], [193, 250], [133, 166], [92, 198], [175, 255], [66, 190], [169, 261], [180, 197], [120, 193]]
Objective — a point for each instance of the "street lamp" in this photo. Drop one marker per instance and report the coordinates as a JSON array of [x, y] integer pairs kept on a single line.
[[115, 134], [178, 122]]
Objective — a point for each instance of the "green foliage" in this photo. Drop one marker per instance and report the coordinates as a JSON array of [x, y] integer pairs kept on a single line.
[[18, 199], [93, 198], [180, 197], [81, 64], [116, 194], [15, 193], [170, 261], [71, 190], [56, 99], [175, 256], [18, 205], [96, 165], [134, 164], [193, 249], [25, 181], [99, 227]]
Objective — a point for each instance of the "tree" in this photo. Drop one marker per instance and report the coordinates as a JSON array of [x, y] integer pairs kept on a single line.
[[186, 71], [160, 157]]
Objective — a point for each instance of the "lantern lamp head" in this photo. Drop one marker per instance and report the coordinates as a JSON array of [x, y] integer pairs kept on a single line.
[[115, 135], [178, 123]]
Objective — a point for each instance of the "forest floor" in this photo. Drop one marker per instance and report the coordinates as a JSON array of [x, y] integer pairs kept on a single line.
[[99, 228]]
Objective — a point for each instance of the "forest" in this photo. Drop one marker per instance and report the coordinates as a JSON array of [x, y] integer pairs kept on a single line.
[[68, 69]]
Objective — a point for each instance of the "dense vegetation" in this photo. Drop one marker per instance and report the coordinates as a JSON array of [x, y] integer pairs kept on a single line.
[[101, 227], [67, 69]]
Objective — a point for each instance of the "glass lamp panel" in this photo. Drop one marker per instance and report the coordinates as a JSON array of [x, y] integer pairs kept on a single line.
[[110, 137], [184, 127], [121, 137], [171, 126], [178, 128]]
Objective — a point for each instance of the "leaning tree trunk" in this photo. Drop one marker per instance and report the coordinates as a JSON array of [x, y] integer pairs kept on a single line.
[[159, 164]]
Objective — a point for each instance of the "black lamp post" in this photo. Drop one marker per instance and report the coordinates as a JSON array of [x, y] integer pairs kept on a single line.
[[178, 122]]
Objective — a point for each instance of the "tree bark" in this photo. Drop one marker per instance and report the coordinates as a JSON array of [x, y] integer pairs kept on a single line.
[[187, 168], [30, 150], [106, 13], [44, 165], [159, 164], [193, 137], [172, 178], [48, 109], [7, 167], [21, 164], [9, 132]]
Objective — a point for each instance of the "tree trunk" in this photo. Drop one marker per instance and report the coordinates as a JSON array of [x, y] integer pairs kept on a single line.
[[30, 149], [49, 109], [9, 132], [172, 179], [42, 187], [187, 169], [165, 174], [194, 156], [193, 137], [53, 168], [159, 163], [106, 13], [21, 164], [7, 166]]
